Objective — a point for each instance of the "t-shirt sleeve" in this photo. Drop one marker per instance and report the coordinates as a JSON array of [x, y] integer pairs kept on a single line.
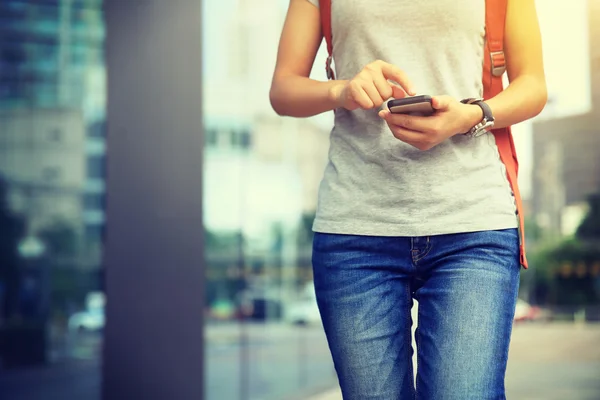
[[314, 2]]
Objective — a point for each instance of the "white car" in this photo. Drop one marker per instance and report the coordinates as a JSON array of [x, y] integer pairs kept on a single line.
[[525, 312], [304, 310], [87, 321], [92, 319]]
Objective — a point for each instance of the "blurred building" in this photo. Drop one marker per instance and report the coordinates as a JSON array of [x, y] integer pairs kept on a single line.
[[261, 170], [42, 160], [566, 152], [261, 173], [52, 69], [300, 142]]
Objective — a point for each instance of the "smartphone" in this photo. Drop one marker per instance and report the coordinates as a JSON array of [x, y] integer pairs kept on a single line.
[[414, 105]]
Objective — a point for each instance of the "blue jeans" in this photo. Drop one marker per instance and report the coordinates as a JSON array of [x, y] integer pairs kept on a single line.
[[466, 287]]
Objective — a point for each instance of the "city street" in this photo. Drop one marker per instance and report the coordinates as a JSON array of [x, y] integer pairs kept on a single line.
[[277, 360], [559, 361], [554, 362], [548, 362]]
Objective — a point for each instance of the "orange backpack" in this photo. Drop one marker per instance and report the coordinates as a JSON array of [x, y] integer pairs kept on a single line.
[[493, 69]]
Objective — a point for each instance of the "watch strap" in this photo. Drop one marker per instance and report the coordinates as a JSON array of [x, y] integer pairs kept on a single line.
[[486, 122]]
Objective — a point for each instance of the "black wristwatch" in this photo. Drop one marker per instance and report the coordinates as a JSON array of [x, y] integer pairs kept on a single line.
[[487, 121]]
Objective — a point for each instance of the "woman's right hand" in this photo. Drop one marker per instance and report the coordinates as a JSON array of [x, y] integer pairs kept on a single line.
[[293, 93], [371, 87]]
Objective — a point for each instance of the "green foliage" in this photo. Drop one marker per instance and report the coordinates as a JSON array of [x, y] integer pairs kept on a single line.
[[573, 250], [566, 268], [589, 230], [532, 229], [221, 241], [584, 247]]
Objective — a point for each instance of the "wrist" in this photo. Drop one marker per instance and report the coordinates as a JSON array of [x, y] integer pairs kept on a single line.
[[335, 93], [473, 116]]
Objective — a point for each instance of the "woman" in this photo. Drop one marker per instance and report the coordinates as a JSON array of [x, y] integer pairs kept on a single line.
[[411, 207]]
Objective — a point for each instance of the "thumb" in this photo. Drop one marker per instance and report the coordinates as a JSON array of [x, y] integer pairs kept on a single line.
[[441, 102], [384, 114]]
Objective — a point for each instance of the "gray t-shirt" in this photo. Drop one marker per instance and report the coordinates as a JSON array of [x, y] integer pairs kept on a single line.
[[375, 184]]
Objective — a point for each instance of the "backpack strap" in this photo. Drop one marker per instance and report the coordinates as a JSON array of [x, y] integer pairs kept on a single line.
[[494, 66], [325, 10]]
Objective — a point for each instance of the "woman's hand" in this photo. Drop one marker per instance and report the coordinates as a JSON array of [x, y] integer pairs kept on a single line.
[[371, 87], [451, 118]]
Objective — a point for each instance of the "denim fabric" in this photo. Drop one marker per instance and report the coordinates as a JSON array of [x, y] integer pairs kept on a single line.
[[466, 286]]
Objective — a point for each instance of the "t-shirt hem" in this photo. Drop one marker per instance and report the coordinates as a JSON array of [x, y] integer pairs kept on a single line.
[[387, 229]]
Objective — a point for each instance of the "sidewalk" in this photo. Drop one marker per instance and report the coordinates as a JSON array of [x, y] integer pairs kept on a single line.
[[333, 394], [553, 361]]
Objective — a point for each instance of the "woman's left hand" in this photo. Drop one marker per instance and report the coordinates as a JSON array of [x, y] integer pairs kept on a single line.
[[450, 118]]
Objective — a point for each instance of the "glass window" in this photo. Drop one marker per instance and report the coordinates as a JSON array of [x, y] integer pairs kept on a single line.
[[211, 137], [55, 135], [51, 174], [245, 139], [51, 292], [12, 53], [94, 201], [48, 12], [5, 90], [97, 129], [96, 166], [15, 5], [79, 55], [44, 50], [233, 137]]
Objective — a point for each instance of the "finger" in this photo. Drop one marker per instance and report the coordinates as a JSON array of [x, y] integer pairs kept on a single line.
[[360, 97], [406, 135], [398, 92], [383, 87], [441, 102], [397, 75], [412, 138], [353, 105], [411, 122], [384, 113], [373, 94]]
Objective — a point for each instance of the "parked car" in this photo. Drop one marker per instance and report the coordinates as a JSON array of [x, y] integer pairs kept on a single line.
[[92, 318], [526, 312], [260, 305], [304, 310]]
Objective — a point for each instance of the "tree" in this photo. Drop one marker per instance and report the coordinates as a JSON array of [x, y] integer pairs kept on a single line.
[[533, 230], [221, 241], [61, 238], [567, 266], [589, 230]]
